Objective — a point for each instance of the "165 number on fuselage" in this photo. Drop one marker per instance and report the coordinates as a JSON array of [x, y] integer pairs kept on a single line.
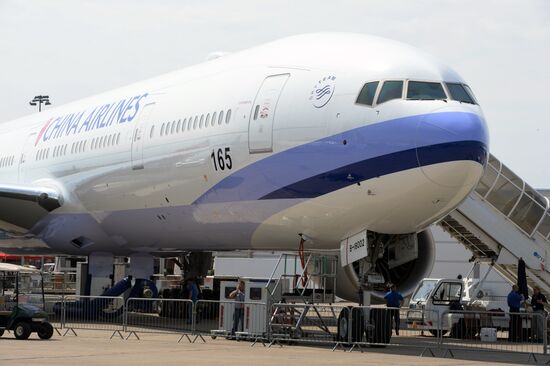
[[221, 158]]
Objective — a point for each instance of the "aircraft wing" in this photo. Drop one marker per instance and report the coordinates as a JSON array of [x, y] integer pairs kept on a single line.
[[21, 207]]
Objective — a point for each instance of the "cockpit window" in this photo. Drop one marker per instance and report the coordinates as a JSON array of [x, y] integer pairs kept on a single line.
[[390, 90], [421, 90], [366, 96], [460, 93]]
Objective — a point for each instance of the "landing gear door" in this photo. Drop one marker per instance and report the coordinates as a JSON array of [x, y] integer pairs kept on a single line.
[[140, 134], [260, 126]]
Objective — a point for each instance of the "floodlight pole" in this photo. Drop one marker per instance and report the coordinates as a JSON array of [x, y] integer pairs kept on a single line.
[[40, 99]]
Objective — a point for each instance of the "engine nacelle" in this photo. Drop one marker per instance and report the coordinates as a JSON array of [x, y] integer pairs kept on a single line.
[[404, 275]]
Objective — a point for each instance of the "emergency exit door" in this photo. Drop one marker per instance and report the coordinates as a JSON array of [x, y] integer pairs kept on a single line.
[[139, 135], [260, 126]]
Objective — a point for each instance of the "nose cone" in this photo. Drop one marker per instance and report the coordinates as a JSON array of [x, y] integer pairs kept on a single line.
[[452, 147]]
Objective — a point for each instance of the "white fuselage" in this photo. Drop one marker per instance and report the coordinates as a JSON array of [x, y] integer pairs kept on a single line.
[[137, 176]]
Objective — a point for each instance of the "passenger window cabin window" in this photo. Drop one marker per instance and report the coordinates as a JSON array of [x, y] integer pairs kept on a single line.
[[229, 290], [420, 90], [178, 126], [220, 118], [202, 120], [118, 138], [228, 116], [173, 128], [189, 123], [152, 131], [195, 121], [183, 125], [256, 110], [255, 293], [367, 93], [460, 93], [207, 122], [214, 115], [390, 90]]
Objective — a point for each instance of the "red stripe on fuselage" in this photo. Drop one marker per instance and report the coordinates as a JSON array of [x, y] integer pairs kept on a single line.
[[42, 131]]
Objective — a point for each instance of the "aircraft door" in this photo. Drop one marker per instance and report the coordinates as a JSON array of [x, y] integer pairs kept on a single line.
[[139, 135], [25, 157], [260, 125]]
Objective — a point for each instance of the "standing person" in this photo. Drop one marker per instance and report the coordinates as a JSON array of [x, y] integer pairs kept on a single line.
[[193, 295], [514, 303], [238, 315], [537, 302], [394, 300]]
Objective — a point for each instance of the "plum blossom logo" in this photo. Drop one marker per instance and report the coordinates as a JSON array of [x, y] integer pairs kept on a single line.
[[322, 91]]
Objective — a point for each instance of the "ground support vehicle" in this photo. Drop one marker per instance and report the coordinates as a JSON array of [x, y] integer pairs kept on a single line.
[[22, 305]]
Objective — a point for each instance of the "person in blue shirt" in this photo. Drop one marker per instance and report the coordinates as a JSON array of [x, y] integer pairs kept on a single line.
[[193, 295], [394, 300], [238, 316], [514, 303]]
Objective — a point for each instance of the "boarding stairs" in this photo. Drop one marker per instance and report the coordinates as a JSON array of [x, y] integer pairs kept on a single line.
[[502, 220], [305, 281]]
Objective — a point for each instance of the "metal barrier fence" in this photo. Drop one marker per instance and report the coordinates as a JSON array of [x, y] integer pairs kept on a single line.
[[524, 332], [55, 318], [92, 313], [335, 325], [159, 316], [312, 323], [354, 326], [231, 319]]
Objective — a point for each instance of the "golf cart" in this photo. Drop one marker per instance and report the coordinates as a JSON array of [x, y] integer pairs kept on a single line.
[[22, 302]]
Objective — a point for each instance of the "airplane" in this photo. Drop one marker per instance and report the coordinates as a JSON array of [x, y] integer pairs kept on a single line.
[[314, 137]]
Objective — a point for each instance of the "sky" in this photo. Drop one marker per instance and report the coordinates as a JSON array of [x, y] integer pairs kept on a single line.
[[72, 49]]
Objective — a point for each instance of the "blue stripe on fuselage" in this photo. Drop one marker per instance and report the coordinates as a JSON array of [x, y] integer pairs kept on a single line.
[[380, 148], [386, 164]]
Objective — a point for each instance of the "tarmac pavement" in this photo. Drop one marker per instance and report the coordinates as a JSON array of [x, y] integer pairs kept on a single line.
[[95, 348]]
